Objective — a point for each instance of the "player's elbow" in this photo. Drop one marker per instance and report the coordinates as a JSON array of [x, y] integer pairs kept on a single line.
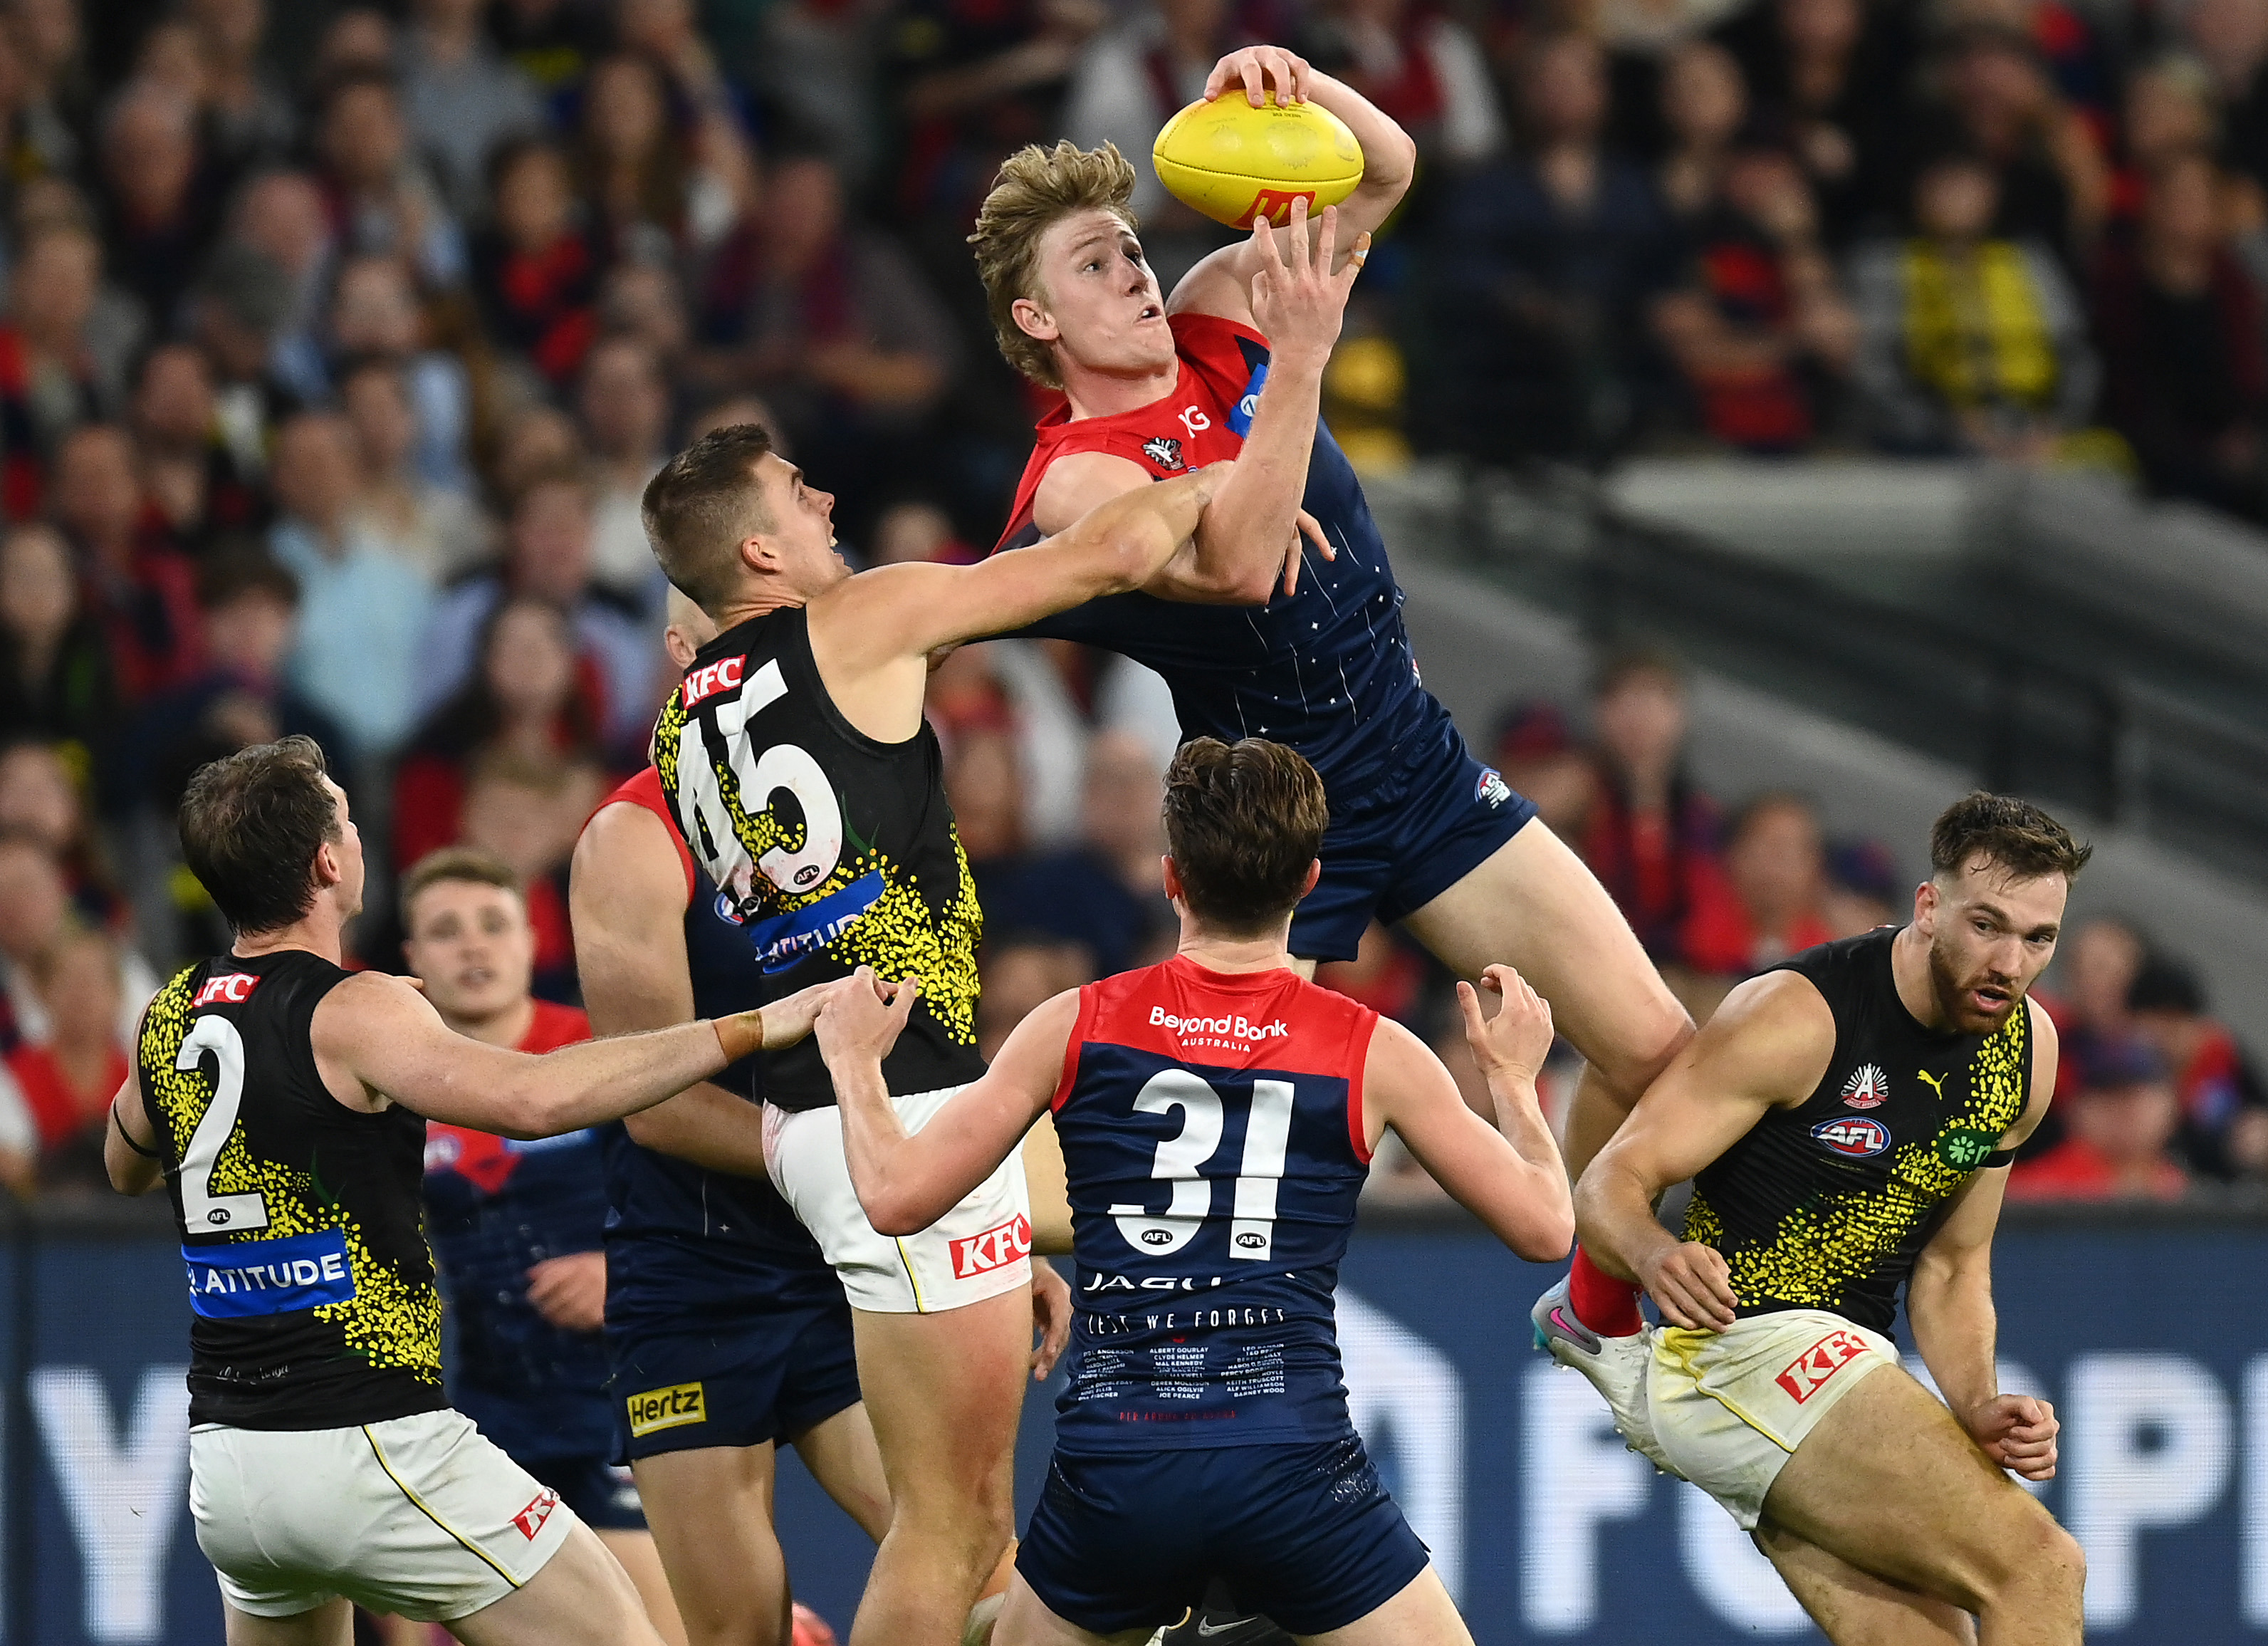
[[896, 1213], [1546, 1236]]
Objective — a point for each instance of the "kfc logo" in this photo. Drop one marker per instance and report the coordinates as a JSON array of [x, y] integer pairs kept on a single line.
[[232, 988], [530, 1520], [707, 681], [994, 1249], [1810, 1371]]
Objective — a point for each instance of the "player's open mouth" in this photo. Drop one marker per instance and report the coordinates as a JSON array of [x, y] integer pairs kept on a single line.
[[1150, 310], [1990, 999]]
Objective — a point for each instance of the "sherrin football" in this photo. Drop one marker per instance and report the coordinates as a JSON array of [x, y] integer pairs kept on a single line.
[[1234, 162]]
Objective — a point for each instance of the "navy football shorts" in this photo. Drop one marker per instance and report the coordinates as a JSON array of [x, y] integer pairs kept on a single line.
[[1304, 1534], [1439, 815], [744, 1377], [600, 1491]]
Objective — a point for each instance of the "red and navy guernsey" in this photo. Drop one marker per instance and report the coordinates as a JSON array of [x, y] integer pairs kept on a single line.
[[1213, 1140]]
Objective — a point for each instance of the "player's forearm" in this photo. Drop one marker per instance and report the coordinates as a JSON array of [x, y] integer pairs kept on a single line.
[[1238, 553], [707, 1126], [1389, 154], [1956, 1329], [885, 1163], [1121, 544], [1546, 1216], [597, 1080], [1614, 1220]]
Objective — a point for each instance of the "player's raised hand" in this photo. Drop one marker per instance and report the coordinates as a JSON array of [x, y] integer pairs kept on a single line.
[[1051, 1315], [1514, 1043], [787, 1020], [2018, 1432], [1692, 1286], [1257, 68], [1306, 529], [1298, 304], [854, 1022]]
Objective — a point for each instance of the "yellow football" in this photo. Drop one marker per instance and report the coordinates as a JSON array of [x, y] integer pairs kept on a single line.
[[1234, 162]]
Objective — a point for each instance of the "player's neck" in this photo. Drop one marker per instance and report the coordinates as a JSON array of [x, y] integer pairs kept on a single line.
[[1910, 974], [1094, 393], [506, 1028], [319, 932], [1234, 954]]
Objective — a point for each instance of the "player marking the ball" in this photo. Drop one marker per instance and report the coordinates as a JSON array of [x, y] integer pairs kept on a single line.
[[1848, 1119]]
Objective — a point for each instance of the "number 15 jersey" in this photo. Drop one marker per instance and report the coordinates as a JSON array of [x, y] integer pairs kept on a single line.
[[1212, 1139]]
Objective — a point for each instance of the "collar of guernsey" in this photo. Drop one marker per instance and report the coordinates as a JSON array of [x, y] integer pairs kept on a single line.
[[831, 850], [1203, 418]]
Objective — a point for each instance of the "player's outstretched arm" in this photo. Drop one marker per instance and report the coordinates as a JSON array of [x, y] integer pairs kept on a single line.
[[1509, 1174], [1949, 1300], [377, 1037], [1222, 283], [897, 612], [1768, 1046], [906, 1183], [627, 896]]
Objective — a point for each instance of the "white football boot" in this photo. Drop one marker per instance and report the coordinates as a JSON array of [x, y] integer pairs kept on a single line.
[[1616, 1366]]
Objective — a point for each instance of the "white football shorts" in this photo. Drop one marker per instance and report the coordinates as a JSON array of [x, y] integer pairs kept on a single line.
[[1730, 1407], [423, 1516], [980, 1249]]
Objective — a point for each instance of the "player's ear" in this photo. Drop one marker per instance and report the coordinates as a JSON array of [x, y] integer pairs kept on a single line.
[[1925, 902], [1315, 874], [759, 555], [1035, 321], [1173, 878]]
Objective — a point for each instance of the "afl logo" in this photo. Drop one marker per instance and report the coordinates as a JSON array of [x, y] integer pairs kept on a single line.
[[1853, 1135], [1869, 1088], [1157, 1236], [1249, 1241], [807, 873], [727, 911]]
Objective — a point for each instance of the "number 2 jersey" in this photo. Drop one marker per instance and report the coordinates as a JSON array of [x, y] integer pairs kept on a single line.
[[308, 1271], [1213, 1140]]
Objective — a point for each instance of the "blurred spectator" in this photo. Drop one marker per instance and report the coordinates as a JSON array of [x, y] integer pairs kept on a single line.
[[375, 312], [35, 915], [1424, 71], [1132, 79], [2054, 183], [1705, 103], [654, 187], [380, 197], [917, 531], [624, 407], [1387, 974], [2121, 1129], [66, 1082], [57, 97], [1830, 76], [2094, 971], [528, 813], [1653, 839], [985, 787], [646, 301], [1775, 865], [2224, 1107], [1536, 755], [161, 193], [1971, 342], [1863, 889], [435, 529], [247, 117], [553, 42], [245, 696], [197, 480], [547, 557], [818, 67], [361, 611], [2171, 110], [459, 96], [2231, 38], [282, 215], [2186, 373], [48, 377], [1547, 261], [241, 300], [55, 674], [137, 586], [531, 698], [358, 40], [1762, 335], [536, 270], [540, 441], [40, 798], [835, 328], [1020, 972]]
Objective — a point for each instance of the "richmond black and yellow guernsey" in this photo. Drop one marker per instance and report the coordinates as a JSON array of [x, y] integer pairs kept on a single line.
[[1826, 1205], [828, 849], [301, 1224]]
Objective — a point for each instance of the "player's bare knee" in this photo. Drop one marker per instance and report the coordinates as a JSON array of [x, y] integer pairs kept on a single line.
[[2028, 1557]]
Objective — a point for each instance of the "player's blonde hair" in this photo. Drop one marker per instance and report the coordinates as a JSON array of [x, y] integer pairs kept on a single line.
[[1035, 189]]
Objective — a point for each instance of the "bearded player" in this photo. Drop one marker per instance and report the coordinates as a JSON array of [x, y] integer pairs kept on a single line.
[[1230, 366], [1848, 1119]]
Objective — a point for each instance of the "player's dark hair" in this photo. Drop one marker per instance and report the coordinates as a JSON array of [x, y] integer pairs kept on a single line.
[[2014, 835], [251, 823], [702, 506], [1243, 821], [455, 865], [1035, 189]]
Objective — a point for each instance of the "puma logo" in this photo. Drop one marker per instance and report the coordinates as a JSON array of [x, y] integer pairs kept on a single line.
[[1936, 1083]]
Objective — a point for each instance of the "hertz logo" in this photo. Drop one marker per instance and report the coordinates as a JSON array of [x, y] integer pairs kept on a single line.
[[666, 1408]]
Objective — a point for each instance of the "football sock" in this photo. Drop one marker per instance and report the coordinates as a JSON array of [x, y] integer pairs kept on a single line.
[[1606, 1305]]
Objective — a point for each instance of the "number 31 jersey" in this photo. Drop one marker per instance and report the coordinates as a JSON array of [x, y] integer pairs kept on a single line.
[[1213, 1140], [301, 1222]]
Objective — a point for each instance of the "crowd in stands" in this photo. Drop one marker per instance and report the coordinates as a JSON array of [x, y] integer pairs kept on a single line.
[[336, 344]]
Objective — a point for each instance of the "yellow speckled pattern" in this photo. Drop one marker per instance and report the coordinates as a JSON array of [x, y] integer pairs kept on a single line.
[[1851, 1231], [393, 1320]]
